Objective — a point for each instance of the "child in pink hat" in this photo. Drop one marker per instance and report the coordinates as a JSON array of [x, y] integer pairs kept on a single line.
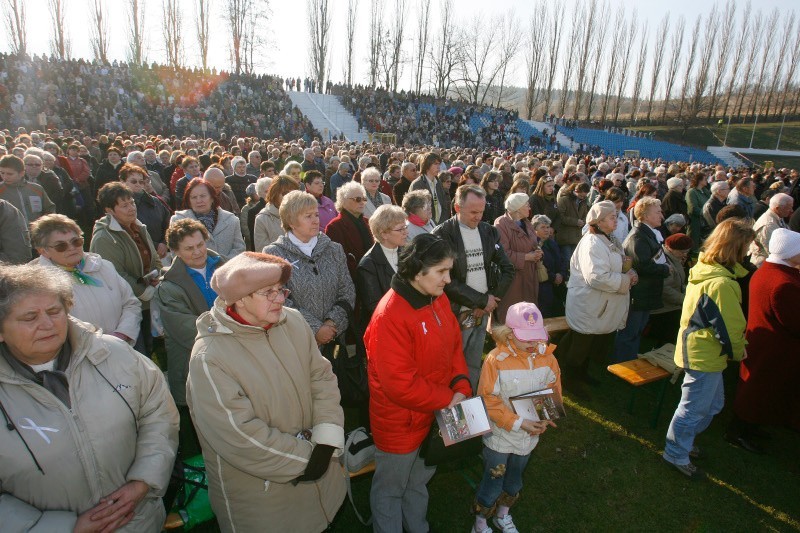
[[523, 362]]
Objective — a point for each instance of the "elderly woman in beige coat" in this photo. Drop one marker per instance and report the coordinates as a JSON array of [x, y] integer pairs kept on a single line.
[[90, 429], [265, 404], [520, 243]]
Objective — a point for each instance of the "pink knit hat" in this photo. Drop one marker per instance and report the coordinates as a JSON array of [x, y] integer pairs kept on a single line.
[[248, 272]]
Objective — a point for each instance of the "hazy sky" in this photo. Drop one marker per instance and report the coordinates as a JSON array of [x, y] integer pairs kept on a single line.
[[287, 54]]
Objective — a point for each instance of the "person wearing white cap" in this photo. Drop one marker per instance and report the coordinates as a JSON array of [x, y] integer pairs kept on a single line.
[[518, 239], [597, 297], [780, 208], [522, 362], [767, 392], [675, 200]]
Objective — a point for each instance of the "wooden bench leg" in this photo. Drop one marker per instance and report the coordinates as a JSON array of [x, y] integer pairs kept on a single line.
[[659, 402], [632, 400]]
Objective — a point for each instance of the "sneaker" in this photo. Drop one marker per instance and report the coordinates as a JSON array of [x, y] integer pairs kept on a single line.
[[487, 530], [744, 443], [506, 524], [688, 470]]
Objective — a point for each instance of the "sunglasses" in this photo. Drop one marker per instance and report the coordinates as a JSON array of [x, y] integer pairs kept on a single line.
[[358, 199], [62, 246]]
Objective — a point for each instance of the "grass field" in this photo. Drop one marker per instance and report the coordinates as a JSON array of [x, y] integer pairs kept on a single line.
[[739, 135], [601, 470]]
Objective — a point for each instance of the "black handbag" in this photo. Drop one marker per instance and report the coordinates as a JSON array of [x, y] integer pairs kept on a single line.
[[351, 373]]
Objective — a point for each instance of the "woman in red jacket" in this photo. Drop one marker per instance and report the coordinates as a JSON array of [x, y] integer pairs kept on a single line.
[[415, 365]]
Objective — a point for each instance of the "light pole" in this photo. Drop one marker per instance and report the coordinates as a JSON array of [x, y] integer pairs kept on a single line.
[[725, 141], [754, 131], [778, 145]]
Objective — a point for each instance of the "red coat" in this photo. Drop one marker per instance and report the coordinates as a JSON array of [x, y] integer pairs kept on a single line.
[[768, 392], [413, 355], [343, 229]]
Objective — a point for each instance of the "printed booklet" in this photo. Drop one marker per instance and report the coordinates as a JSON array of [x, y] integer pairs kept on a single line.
[[538, 405], [465, 420]]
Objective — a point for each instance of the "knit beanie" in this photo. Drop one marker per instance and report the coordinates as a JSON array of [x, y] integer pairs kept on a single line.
[[679, 241], [248, 272], [674, 183], [516, 201], [784, 244]]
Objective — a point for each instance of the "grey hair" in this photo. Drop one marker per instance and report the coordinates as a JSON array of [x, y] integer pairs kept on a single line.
[[344, 190], [384, 218], [779, 199], [262, 185], [465, 190], [133, 155], [363, 161], [237, 160], [18, 281], [413, 201], [538, 220], [149, 151], [289, 166], [370, 172], [408, 164]]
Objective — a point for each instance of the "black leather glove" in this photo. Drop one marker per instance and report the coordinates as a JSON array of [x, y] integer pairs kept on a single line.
[[317, 464]]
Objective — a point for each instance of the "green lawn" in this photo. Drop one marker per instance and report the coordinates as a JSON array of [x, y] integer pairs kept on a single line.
[[601, 470], [739, 135], [779, 162]]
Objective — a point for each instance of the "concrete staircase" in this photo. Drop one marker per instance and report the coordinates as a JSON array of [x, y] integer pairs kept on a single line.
[[560, 137], [726, 154], [327, 114]]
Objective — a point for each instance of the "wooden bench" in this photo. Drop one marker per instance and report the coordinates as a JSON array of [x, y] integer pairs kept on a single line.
[[366, 470], [638, 373], [556, 325]]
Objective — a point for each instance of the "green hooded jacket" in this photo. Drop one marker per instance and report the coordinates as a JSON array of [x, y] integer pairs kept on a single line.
[[712, 323]]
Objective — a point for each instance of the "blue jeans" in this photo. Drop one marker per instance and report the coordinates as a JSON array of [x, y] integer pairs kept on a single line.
[[492, 484], [626, 345], [702, 397], [472, 343]]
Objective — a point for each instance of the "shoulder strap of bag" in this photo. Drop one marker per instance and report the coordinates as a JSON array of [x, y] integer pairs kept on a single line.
[[346, 455]]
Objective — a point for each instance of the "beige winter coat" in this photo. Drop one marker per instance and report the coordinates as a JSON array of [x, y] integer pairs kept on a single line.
[[123, 426], [267, 227], [250, 392]]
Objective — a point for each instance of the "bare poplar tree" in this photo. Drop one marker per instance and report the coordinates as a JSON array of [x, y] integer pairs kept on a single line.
[[766, 63], [99, 40], [749, 62], [477, 67], [787, 31], [136, 41], [203, 16], [396, 37], [534, 56], [16, 25], [687, 72], [617, 44], [244, 17], [423, 23], [60, 44], [596, 59], [510, 43], [697, 100], [676, 50], [350, 30], [738, 55], [658, 61], [445, 51], [638, 77], [375, 41], [585, 49], [791, 70], [573, 41], [254, 39], [319, 22], [553, 19], [630, 38], [172, 30], [725, 40]]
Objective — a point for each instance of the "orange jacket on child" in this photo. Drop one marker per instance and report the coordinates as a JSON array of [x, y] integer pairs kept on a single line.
[[507, 373]]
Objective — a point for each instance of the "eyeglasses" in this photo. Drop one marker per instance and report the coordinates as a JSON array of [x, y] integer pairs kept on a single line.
[[62, 246], [358, 199], [400, 230], [272, 294]]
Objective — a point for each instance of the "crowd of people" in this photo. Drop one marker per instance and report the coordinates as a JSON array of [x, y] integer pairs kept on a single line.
[[261, 261]]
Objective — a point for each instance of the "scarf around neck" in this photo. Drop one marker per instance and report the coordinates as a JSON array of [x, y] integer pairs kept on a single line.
[[54, 381], [80, 276]]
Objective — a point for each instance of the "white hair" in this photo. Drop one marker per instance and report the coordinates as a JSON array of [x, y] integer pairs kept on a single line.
[[133, 155], [262, 185], [779, 199], [346, 190]]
